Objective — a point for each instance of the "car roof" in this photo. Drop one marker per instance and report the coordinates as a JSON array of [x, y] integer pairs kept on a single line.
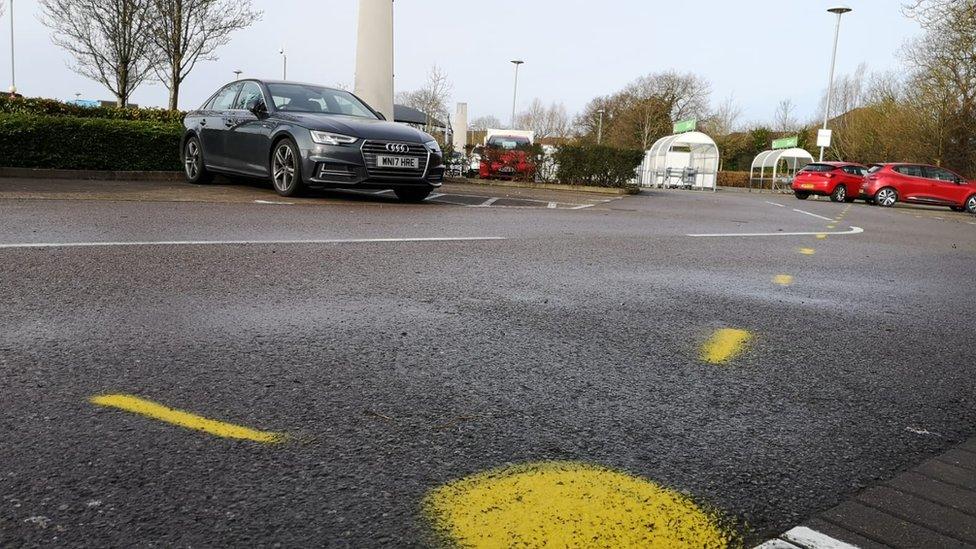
[[839, 164], [266, 82]]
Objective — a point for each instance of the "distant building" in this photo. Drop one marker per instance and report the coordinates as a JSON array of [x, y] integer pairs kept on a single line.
[[115, 104], [418, 119]]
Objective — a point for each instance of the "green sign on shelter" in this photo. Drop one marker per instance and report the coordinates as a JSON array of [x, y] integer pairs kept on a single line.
[[786, 142], [686, 126]]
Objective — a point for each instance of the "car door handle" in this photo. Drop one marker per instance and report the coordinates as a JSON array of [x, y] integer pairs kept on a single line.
[[203, 122]]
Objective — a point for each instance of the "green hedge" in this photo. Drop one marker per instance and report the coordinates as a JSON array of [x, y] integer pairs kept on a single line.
[[597, 165], [62, 142], [53, 107]]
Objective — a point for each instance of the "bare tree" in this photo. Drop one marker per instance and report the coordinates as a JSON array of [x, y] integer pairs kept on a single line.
[[485, 122], [944, 63], [432, 99], [551, 121], [187, 31], [785, 119], [725, 119], [2, 8], [110, 40]]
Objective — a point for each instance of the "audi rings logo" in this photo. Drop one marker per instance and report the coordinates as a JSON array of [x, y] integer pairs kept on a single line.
[[398, 147]]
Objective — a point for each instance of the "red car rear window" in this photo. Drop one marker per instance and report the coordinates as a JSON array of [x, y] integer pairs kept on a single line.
[[819, 168]]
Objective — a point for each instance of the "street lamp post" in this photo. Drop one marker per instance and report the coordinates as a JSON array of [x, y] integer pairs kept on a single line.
[[237, 74], [13, 74], [599, 130], [515, 62], [840, 11], [284, 63]]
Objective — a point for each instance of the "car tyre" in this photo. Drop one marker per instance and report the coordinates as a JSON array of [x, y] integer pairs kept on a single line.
[[801, 195], [286, 168], [193, 167], [957, 208], [886, 197], [839, 194], [971, 204], [412, 194]]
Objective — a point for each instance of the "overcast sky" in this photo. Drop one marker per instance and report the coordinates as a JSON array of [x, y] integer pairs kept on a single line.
[[762, 51]]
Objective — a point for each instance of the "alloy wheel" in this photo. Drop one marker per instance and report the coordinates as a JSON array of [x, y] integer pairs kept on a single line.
[[841, 193], [284, 167], [192, 159], [887, 197], [971, 204]]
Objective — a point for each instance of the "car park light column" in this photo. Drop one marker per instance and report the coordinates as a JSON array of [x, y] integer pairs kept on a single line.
[[374, 55], [517, 63], [13, 73], [840, 11]]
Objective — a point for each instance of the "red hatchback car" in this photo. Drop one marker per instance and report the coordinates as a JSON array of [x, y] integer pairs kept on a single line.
[[887, 184], [841, 181]]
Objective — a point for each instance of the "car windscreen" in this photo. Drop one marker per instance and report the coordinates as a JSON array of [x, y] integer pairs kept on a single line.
[[304, 98], [818, 168], [509, 143], [875, 168]]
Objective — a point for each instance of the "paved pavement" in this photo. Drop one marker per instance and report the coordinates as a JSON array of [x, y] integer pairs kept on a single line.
[[932, 505], [322, 373]]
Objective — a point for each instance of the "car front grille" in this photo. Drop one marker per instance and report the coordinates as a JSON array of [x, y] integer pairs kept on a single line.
[[373, 148]]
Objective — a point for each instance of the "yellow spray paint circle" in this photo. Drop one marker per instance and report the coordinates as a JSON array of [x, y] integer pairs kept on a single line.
[[568, 504]]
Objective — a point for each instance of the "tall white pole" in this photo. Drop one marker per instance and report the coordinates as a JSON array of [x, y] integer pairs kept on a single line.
[[599, 131], [13, 73], [517, 62], [830, 79], [374, 55]]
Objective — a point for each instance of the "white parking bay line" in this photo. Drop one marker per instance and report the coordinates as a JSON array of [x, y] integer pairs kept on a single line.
[[274, 202], [805, 537], [243, 242], [812, 215], [552, 205], [488, 202], [854, 230], [775, 204]]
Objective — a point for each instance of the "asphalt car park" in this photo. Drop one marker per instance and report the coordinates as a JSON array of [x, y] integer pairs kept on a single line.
[[221, 366]]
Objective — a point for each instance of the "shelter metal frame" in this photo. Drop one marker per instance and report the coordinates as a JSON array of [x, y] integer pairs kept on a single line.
[[665, 163], [795, 158]]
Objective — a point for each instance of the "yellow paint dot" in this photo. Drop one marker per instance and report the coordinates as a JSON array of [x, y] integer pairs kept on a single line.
[[783, 280], [567, 504], [807, 251], [821, 236], [831, 226], [153, 410], [724, 345]]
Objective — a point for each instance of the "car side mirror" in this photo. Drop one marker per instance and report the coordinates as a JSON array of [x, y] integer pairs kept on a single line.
[[258, 108]]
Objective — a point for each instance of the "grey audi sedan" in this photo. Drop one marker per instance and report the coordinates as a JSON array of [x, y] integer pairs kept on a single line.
[[302, 135]]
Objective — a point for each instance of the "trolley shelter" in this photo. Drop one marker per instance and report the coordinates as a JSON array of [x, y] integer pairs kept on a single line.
[[688, 159], [777, 167]]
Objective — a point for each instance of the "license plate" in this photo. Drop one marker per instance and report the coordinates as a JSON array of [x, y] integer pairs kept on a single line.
[[398, 162], [507, 169], [806, 186]]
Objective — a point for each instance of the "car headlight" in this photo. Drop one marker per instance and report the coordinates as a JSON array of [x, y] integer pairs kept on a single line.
[[328, 138], [433, 147]]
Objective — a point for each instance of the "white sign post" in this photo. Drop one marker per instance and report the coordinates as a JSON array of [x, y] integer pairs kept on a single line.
[[823, 138]]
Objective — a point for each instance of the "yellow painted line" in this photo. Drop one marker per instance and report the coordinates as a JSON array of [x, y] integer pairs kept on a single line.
[[807, 251], [569, 504], [724, 345], [172, 416], [783, 280], [831, 226], [822, 236]]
